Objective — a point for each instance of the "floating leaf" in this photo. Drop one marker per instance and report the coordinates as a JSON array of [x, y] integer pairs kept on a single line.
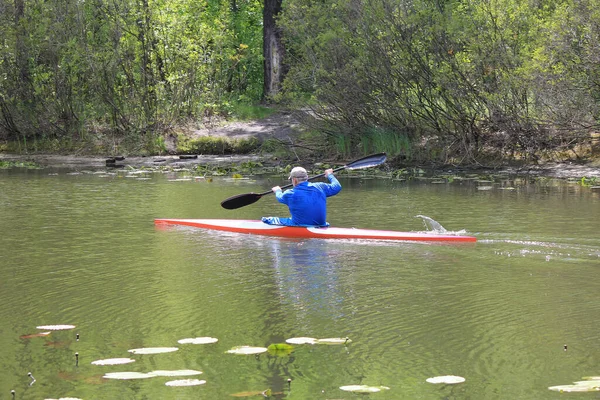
[[127, 375], [153, 350], [198, 340], [301, 340], [580, 386], [280, 349], [41, 334], [449, 379], [113, 361], [333, 341], [572, 388], [247, 350], [363, 388], [185, 382], [181, 372], [592, 383], [55, 327], [280, 346], [66, 398]]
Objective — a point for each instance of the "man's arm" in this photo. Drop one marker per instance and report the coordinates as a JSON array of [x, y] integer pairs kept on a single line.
[[334, 186], [280, 195]]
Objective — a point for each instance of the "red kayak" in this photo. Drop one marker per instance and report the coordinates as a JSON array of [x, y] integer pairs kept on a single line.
[[260, 228]]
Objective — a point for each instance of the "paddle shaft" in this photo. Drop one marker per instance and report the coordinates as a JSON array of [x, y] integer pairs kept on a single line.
[[242, 200]]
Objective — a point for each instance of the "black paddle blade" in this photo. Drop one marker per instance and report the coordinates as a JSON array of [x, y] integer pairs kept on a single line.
[[240, 200], [367, 162]]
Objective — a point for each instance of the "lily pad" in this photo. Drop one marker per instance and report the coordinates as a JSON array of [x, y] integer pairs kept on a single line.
[[280, 346], [582, 386], [280, 349], [55, 327], [333, 341], [66, 398], [198, 340], [153, 350], [592, 383], [113, 361], [127, 375], [181, 372], [185, 382], [302, 340], [363, 388], [448, 379], [247, 350]]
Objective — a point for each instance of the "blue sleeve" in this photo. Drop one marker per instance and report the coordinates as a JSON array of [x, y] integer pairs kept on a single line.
[[334, 186], [329, 189], [283, 197]]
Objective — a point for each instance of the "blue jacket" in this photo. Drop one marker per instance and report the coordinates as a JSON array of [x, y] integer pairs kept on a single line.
[[307, 202]]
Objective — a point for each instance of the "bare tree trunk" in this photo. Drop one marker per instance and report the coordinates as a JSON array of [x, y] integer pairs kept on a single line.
[[21, 50], [273, 50]]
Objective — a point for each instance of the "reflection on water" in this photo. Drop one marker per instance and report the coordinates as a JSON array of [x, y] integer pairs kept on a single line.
[[306, 277], [83, 250]]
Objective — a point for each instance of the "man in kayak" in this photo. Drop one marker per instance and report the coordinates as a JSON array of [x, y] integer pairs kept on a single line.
[[306, 200]]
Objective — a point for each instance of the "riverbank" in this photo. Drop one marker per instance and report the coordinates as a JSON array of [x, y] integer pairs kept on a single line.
[[93, 162], [283, 130], [554, 170]]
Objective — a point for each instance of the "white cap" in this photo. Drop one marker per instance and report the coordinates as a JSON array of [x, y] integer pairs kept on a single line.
[[298, 172]]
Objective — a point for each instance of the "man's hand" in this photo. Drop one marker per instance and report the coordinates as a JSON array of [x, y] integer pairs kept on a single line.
[[275, 189], [328, 172]]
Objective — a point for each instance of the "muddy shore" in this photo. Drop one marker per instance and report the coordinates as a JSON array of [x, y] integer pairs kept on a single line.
[[88, 162], [555, 170]]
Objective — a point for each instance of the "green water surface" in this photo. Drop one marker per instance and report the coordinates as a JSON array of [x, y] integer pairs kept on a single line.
[[82, 249]]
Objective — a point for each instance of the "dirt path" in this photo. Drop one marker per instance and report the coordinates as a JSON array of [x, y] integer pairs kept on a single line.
[[281, 126]]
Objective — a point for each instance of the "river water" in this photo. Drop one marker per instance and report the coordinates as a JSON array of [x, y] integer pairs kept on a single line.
[[513, 314]]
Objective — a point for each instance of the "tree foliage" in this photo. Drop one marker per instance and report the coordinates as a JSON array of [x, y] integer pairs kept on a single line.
[[448, 77], [126, 68], [445, 80]]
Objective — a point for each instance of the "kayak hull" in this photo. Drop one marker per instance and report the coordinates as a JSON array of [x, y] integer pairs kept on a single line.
[[256, 227]]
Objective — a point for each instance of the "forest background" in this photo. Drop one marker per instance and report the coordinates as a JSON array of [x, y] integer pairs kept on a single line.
[[440, 81]]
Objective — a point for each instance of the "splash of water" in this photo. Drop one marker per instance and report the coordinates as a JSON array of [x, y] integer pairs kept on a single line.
[[432, 225]]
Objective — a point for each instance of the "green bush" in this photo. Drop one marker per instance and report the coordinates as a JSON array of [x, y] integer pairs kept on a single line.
[[217, 145], [246, 146]]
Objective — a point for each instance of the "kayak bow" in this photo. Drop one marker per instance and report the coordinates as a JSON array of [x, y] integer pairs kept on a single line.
[[255, 227]]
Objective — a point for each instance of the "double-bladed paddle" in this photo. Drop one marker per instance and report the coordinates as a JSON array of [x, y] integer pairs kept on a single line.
[[242, 200]]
